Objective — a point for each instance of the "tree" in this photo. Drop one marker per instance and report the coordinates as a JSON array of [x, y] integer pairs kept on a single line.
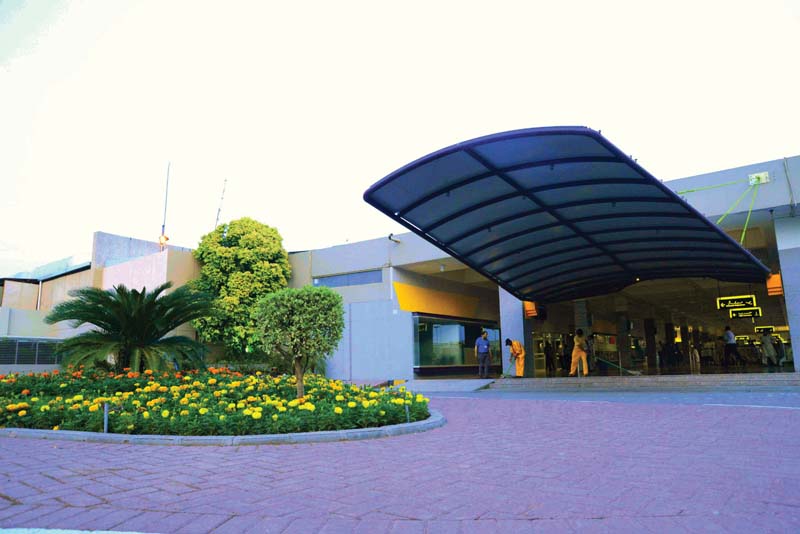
[[302, 326], [131, 325], [241, 262]]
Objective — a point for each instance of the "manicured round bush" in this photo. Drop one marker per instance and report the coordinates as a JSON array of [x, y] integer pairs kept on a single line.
[[205, 403]]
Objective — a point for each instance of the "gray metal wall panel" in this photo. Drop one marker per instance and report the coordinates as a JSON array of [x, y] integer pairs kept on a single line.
[[715, 202], [338, 365], [381, 342], [511, 322], [787, 234]]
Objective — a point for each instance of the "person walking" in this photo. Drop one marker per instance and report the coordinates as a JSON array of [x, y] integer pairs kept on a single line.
[[731, 349], [549, 359], [579, 350], [694, 360], [483, 353], [768, 348], [517, 356]]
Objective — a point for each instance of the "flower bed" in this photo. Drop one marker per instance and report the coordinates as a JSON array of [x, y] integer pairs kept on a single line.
[[208, 403]]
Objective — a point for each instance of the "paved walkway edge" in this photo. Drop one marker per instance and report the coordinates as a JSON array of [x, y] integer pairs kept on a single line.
[[435, 420]]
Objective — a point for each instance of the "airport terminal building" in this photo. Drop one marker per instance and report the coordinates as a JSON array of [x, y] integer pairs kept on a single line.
[[527, 235], [638, 263]]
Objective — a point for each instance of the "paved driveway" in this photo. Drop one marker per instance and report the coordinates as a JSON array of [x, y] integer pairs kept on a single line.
[[501, 464]]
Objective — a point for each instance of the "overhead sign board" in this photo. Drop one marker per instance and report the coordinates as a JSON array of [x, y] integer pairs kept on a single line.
[[762, 329], [740, 313], [737, 301]]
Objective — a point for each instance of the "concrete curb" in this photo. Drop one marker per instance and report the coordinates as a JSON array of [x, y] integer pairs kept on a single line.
[[435, 420]]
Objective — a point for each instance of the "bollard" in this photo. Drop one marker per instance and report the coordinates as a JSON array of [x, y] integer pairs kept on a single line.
[[408, 415], [105, 418]]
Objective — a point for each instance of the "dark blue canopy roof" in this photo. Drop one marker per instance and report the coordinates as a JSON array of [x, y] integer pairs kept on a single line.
[[557, 213]]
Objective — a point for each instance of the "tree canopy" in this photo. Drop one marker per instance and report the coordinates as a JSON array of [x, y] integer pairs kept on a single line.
[[241, 262], [301, 326], [131, 325]]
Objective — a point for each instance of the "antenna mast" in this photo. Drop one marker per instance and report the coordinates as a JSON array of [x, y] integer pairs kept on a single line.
[[162, 239], [219, 210]]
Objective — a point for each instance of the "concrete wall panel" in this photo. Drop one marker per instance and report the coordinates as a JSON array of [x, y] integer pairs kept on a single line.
[[57, 290], [20, 295]]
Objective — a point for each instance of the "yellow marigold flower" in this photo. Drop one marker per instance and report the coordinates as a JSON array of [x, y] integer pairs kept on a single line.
[[22, 413], [77, 398], [365, 404], [212, 381], [196, 383], [382, 413], [222, 417], [256, 415], [146, 415], [231, 406], [184, 412], [94, 408], [163, 389], [337, 410], [217, 393], [351, 404], [240, 404], [34, 399], [281, 408], [203, 411], [247, 411], [372, 395], [165, 413], [63, 385], [56, 427], [274, 417], [44, 408], [129, 427], [406, 401], [340, 398], [184, 401], [294, 402]]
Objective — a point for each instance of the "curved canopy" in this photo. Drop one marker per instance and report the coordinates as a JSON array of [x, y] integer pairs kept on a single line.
[[557, 213]]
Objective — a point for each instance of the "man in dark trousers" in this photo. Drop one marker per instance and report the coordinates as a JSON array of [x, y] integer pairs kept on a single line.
[[730, 348], [483, 353]]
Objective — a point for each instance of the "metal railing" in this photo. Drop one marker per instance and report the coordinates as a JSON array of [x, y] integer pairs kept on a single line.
[[28, 351]]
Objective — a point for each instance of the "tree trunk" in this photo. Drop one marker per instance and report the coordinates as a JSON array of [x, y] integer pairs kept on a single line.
[[298, 373]]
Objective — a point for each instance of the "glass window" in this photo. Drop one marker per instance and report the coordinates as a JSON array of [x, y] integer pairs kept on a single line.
[[445, 341], [350, 279]]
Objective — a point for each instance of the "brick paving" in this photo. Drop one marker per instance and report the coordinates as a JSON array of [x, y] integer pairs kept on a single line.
[[499, 465]]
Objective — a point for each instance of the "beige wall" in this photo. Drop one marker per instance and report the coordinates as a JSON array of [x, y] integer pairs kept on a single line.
[[181, 267], [57, 290], [20, 295], [147, 271]]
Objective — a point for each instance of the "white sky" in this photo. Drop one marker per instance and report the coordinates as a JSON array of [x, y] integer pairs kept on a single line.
[[303, 105]]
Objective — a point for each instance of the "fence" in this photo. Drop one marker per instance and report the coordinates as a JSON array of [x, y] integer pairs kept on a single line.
[[28, 351]]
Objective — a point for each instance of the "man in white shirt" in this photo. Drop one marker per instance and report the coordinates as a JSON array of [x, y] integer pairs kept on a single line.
[[730, 347]]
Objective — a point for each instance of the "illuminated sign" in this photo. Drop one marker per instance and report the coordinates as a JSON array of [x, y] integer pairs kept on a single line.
[[738, 301], [742, 338], [533, 309], [774, 285], [740, 313], [762, 329]]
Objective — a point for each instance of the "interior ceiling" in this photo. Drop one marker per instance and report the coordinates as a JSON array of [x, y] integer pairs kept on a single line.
[[553, 214]]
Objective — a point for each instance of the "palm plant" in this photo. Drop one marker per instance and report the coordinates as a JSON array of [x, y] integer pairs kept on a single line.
[[131, 325]]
